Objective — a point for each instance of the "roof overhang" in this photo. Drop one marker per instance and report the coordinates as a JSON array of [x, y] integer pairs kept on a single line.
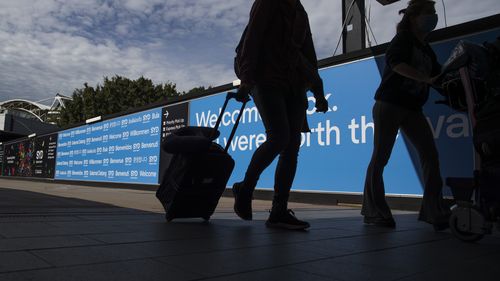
[[9, 136]]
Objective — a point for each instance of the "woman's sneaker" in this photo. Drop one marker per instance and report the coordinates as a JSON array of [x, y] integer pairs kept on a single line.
[[286, 220], [242, 202]]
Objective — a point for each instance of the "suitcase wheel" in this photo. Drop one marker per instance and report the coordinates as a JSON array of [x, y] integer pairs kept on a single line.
[[206, 219], [169, 218]]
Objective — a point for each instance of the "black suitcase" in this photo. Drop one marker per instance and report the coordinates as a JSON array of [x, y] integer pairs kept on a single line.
[[198, 172]]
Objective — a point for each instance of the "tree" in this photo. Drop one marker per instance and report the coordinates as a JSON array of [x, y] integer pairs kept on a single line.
[[114, 95], [196, 90]]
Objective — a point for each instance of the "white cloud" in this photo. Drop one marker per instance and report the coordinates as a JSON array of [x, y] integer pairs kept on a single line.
[[50, 46], [145, 6]]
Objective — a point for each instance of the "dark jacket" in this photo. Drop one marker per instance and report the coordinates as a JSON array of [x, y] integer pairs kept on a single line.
[[277, 36], [400, 90]]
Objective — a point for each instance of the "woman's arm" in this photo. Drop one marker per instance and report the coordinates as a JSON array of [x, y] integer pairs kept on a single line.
[[409, 71]]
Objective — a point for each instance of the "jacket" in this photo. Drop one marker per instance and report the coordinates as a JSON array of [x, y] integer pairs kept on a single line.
[[278, 49]]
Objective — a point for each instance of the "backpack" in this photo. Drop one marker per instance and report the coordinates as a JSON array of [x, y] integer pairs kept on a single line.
[[237, 58]]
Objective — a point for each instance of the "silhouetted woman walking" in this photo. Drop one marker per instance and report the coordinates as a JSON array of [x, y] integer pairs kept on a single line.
[[278, 65], [411, 66]]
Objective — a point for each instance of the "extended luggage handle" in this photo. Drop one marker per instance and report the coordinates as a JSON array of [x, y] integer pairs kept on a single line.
[[229, 96]]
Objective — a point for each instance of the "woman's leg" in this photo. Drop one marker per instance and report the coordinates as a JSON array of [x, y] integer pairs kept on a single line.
[[272, 109], [386, 118], [287, 163], [417, 129], [280, 216]]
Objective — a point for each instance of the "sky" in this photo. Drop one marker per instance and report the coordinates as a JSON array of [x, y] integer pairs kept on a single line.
[[55, 46]]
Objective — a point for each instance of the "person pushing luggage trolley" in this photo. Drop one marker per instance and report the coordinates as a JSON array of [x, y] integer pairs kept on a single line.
[[276, 63], [411, 68]]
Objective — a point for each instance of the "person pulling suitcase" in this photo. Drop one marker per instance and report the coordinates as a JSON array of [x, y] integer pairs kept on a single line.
[[198, 171], [276, 63]]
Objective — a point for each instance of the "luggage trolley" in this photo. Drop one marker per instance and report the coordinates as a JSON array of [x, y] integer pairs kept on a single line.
[[467, 77]]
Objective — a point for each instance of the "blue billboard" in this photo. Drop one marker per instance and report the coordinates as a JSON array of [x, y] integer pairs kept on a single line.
[[335, 154], [125, 149]]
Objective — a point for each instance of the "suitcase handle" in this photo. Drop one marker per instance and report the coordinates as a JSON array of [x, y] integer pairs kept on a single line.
[[229, 96]]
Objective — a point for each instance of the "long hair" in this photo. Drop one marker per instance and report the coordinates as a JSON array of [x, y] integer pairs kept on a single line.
[[415, 8]]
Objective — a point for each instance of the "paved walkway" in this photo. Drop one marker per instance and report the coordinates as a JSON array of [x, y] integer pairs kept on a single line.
[[63, 232]]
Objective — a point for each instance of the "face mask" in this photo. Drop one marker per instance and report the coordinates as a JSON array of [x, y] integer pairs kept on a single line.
[[427, 23]]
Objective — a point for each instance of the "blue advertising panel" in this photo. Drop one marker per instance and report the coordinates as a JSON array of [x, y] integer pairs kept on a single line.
[[335, 154], [124, 149]]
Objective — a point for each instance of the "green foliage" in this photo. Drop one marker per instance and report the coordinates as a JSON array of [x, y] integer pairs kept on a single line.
[[114, 95], [196, 90]]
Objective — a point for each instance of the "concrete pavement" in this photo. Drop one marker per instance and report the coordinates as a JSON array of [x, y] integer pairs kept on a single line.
[[66, 232]]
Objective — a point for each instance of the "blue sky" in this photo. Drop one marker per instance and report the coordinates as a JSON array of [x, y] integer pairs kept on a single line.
[[54, 46]]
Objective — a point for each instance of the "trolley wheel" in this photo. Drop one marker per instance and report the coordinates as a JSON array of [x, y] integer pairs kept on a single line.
[[463, 235]]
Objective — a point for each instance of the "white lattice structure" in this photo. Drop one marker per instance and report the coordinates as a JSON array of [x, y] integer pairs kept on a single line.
[[34, 110]]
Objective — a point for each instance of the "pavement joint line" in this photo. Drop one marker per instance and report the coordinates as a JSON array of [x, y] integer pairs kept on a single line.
[[86, 235], [157, 259], [33, 216], [154, 259], [103, 243], [414, 274], [72, 266], [26, 270], [309, 261], [314, 273], [232, 227], [326, 276], [77, 218], [43, 236], [319, 274], [37, 214], [257, 270], [199, 279], [41, 258], [324, 210]]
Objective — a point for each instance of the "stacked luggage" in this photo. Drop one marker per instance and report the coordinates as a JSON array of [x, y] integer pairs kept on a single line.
[[471, 83]]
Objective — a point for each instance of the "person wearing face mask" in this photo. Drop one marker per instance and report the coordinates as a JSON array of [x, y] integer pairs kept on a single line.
[[411, 67], [277, 64]]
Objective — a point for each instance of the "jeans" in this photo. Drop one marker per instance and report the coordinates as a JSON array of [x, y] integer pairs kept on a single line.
[[283, 113], [388, 119]]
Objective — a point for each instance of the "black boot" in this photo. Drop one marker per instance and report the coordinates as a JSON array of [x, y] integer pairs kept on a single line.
[[242, 201]]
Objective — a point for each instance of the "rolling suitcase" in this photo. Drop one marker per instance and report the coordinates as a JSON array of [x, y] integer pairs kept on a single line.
[[198, 171]]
